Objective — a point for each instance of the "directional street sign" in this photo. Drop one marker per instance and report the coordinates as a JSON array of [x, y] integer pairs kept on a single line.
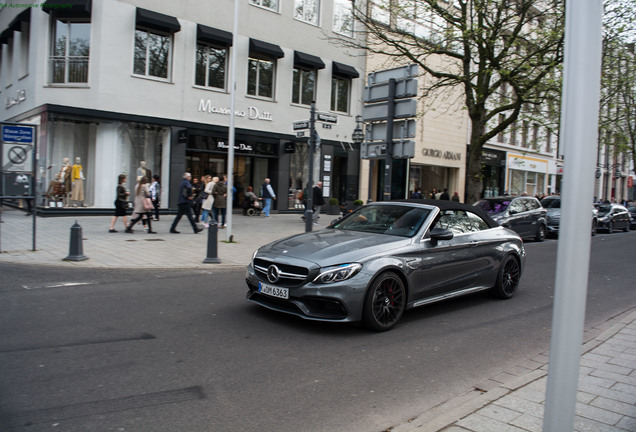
[[404, 108], [326, 118], [300, 125], [380, 92], [399, 73], [401, 129]]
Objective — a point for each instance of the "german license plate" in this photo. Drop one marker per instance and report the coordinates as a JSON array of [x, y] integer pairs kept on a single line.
[[273, 291]]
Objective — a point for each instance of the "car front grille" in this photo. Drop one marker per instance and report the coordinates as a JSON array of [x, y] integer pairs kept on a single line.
[[289, 275]]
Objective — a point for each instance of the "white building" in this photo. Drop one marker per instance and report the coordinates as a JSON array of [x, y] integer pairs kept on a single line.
[[117, 82]]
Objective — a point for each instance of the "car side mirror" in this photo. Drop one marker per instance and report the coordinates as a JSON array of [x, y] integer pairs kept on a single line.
[[438, 234], [512, 212]]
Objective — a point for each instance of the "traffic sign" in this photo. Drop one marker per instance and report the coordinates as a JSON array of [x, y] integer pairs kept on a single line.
[[18, 134], [300, 125], [380, 92], [404, 108], [401, 129], [398, 73], [17, 157], [401, 149], [327, 118]]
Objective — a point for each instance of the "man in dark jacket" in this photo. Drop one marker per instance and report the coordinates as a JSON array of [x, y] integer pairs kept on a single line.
[[185, 205], [318, 201]]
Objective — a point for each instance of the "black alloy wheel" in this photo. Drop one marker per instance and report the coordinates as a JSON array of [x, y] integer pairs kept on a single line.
[[540, 236], [385, 302], [508, 278]]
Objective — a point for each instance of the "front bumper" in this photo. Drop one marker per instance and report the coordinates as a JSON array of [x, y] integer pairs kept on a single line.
[[337, 302]]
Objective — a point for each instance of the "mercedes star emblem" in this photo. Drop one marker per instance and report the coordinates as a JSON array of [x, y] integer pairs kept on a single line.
[[273, 273]]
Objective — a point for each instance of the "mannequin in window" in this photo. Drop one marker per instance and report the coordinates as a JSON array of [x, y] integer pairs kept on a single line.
[[143, 171], [64, 177], [77, 177]]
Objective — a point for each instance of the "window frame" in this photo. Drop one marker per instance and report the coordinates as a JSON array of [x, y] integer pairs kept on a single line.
[[170, 56], [261, 58], [259, 3], [208, 47], [300, 70], [300, 5], [66, 58], [334, 92]]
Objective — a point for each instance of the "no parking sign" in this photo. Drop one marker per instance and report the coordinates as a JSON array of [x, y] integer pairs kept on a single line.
[[17, 148]]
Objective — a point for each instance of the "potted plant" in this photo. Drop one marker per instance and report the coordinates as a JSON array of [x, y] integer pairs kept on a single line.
[[332, 208]]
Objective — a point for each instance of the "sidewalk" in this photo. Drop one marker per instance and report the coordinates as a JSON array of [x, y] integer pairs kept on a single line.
[[513, 401], [140, 249]]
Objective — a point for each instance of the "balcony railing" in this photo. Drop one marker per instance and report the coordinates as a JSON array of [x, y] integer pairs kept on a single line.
[[68, 70]]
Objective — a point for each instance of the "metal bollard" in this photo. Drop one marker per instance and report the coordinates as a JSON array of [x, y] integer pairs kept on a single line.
[[76, 252], [212, 245]]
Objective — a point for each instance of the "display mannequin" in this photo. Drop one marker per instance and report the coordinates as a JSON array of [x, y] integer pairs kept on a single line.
[[77, 177], [64, 177], [143, 171]]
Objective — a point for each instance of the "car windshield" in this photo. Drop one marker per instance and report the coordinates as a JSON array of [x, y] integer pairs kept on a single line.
[[492, 206], [604, 208], [551, 203], [400, 220]]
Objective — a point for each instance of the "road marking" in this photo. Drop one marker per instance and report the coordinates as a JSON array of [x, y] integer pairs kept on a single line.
[[59, 285]]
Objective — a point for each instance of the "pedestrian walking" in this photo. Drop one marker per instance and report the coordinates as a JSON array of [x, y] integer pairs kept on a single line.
[[143, 206], [121, 203], [318, 201], [267, 193], [155, 195], [185, 205], [444, 196], [220, 201], [208, 200]]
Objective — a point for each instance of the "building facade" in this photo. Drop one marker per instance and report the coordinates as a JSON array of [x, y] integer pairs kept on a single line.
[[143, 88]]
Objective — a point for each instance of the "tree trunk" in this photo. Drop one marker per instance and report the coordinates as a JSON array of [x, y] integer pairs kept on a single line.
[[474, 174]]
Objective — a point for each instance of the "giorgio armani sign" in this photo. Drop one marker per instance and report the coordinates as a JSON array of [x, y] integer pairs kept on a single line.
[[252, 113]]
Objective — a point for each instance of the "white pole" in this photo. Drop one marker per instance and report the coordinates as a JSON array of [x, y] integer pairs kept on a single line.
[[231, 133], [579, 135]]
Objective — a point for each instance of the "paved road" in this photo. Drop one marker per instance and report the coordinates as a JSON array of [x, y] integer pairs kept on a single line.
[[165, 350]]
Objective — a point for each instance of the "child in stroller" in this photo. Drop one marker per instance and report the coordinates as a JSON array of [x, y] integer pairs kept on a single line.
[[251, 205]]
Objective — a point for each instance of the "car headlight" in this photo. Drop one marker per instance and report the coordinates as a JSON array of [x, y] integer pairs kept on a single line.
[[603, 219], [337, 273]]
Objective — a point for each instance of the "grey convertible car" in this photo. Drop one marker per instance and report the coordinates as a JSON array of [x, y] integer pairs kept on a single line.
[[384, 258]]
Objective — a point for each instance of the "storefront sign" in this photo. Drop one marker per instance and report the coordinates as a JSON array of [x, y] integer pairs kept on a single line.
[[239, 147], [252, 113], [440, 154], [526, 163], [20, 97]]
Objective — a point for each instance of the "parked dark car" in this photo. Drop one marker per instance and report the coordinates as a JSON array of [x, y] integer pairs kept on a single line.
[[384, 258], [612, 217], [552, 204], [523, 214], [632, 214]]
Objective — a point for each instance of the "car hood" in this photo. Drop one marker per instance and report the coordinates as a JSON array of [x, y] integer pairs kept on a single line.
[[330, 246]]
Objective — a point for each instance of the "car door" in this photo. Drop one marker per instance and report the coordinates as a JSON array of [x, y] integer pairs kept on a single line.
[[518, 217], [450, 265]]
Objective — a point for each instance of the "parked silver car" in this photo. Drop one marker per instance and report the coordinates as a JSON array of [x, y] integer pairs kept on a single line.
[[384, 258], [552, 204], [613, 217]]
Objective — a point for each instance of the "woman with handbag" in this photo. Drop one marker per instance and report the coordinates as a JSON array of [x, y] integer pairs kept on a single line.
[[209, 199], [121, 203], [143, 206]]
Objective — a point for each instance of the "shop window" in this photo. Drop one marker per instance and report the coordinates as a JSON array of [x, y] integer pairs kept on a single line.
[[343, 17], [266, 4], [307, 11], [260, 77], [153, 53], [304, 86], [211, 66], [70, 51], [340, 91]]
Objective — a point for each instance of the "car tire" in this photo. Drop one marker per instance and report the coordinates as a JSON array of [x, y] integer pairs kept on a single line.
[[507, 278], [626, 229], [594, 228], [540, 235], [384, 303], [610, 227]]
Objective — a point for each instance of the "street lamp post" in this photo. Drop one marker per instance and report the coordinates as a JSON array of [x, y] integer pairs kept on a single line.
[[358, 137]]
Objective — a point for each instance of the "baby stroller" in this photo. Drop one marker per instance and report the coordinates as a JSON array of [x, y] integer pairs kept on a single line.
[[251, 207]]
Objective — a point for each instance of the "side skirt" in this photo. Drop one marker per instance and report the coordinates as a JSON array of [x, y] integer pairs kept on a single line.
[[448, 296]]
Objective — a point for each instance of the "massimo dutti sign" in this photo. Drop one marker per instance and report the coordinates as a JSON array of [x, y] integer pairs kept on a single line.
[[252, 113]]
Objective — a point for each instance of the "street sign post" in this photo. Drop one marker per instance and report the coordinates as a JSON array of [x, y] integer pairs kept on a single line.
[[300, 125], [404, 108], [401, 129]]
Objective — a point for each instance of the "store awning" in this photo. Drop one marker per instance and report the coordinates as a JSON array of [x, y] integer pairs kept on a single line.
[[344, 70], [213, 35], [266, 48], [308, 60], [157, 21], [16, 24], [68, 8]]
